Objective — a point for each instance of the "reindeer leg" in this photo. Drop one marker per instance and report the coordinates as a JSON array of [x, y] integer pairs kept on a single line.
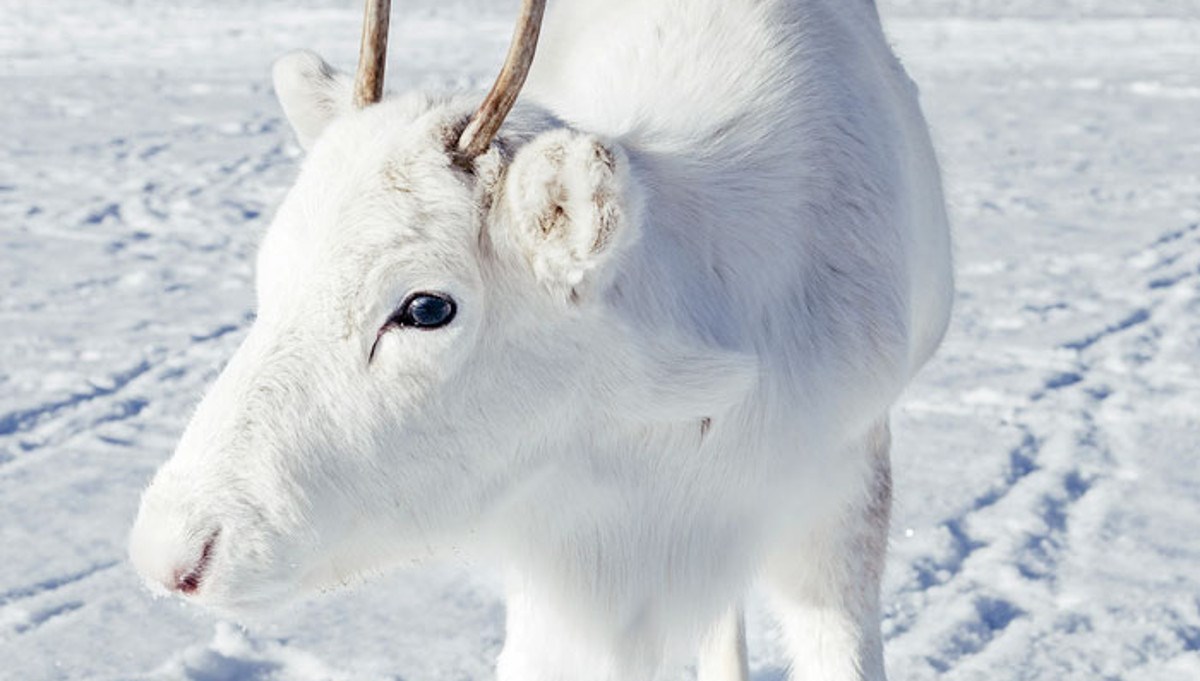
[[723, 652], [825, 580]]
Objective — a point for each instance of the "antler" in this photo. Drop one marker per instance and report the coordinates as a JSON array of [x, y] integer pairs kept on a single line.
[[482, 128], [500, 99], [372, 56]]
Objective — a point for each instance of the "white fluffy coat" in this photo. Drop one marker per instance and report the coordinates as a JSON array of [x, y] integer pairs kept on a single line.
[[702, 260]]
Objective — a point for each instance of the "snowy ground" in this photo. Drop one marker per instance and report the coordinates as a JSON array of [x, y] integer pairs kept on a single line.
[[1048, 519]]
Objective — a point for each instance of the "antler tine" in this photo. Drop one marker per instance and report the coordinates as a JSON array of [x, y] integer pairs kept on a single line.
[[486, 121], [372, 56]]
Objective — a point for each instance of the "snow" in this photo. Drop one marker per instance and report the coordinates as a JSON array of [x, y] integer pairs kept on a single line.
[[1048, 484]]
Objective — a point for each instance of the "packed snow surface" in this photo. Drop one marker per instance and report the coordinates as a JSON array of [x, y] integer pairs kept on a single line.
[[1048, 483]]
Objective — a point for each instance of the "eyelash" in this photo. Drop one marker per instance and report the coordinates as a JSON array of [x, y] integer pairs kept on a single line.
[[404, 317]]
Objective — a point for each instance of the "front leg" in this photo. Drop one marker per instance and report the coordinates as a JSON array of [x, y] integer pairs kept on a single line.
[[531, 651], [825, 578], [723, 651], [547, 639]]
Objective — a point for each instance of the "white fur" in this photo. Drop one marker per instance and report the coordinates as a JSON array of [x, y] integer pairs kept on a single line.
[[703, 259]]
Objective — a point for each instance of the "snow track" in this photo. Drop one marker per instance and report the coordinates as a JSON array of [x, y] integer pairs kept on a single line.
[[1048, 488], [1062, 514], [1019, 552]]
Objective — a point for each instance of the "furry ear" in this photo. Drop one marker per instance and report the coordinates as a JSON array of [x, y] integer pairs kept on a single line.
[[311, 92], [571, 204]]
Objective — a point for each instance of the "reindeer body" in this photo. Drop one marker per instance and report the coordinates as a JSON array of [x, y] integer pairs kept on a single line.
[[698, 265]]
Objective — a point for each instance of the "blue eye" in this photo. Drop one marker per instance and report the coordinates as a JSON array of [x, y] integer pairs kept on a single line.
[[425, 311]]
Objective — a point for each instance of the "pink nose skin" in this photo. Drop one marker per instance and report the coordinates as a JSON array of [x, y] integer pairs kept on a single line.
[[188, 581]]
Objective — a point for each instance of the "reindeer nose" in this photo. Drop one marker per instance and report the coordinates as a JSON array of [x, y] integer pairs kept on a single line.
[[188, 580], [170, 547], [172, 561]]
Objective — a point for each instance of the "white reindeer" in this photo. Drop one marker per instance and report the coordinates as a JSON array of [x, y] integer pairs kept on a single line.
[[637, 345]]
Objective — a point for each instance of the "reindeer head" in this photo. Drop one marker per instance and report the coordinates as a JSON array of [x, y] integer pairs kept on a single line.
[[435, 325]]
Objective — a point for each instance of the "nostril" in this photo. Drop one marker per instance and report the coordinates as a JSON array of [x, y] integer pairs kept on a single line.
[[189, 582]]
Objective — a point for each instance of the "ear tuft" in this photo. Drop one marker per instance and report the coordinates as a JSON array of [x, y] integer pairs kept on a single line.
[[311, 92], [571, 208]]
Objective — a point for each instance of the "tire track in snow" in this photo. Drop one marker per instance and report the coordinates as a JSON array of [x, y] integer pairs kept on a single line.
[[24, 420], [54, 583], [25, 623], [54, 422], [27, 608]]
